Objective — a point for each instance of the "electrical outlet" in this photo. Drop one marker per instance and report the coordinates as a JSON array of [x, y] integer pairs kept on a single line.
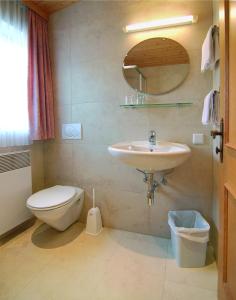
[[198, 138]]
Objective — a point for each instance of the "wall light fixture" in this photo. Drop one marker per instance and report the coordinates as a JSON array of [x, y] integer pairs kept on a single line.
[[155, 24]]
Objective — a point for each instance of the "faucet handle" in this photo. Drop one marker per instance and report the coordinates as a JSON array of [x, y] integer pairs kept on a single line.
[[152, 133], [152, 137]]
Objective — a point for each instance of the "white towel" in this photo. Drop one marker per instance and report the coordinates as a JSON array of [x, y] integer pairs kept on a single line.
[[216, 43], [210, 49], [206, 114], [211, 108]]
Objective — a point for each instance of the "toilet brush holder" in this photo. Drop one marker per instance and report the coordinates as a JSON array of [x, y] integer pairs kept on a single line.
[[94, 221]]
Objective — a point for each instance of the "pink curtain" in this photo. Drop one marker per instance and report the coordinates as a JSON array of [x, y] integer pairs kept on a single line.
[[40, 92]]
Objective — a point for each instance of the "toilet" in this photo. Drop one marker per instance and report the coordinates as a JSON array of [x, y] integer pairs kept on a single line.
[[58, 206]]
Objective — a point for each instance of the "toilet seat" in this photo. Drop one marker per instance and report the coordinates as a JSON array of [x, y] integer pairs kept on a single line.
[[51, 198]]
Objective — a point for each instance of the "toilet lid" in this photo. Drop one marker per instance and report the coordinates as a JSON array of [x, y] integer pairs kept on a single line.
[[55, 196]]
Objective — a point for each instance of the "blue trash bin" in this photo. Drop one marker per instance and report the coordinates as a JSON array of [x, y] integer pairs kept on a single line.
[[189, 237]]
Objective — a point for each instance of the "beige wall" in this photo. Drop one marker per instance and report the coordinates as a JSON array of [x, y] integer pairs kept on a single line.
[[88, 47], [37, 161]]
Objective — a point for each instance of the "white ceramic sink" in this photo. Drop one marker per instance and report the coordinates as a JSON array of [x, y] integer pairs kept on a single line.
[[139, 154]]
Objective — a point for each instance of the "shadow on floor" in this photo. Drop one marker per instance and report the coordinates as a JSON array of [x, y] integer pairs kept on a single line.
[[48, 238], [143, 244], [154, 246]]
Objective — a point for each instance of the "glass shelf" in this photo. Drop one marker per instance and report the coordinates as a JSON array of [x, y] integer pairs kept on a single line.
[[156, 105]]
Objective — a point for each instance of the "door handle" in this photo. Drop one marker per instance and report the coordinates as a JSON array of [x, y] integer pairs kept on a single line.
[[218, 150], [214, 133]]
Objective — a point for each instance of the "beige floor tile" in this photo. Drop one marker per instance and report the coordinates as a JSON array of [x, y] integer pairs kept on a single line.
[[17, 269], [139, 243], [56, 282], [136, 270], [21, 260], [176, 291], [137, 261], [123, 281], [87, 248], [43, 264], [197, 277]]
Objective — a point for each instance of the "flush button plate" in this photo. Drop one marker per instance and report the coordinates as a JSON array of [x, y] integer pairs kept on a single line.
[[71, 131]]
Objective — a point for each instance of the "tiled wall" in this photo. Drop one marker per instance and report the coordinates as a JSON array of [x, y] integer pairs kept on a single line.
[[87, 48]]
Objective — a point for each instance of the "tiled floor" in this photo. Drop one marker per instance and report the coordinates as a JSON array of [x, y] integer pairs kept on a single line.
[[117, 265]]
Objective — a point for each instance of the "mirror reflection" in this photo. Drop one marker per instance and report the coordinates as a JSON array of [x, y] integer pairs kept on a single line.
[[156, 66]]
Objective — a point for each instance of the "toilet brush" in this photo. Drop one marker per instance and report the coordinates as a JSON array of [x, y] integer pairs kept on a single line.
[[94, 220]]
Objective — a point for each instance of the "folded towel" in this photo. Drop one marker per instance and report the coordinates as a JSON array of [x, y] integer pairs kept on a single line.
[[216, 43], [210, 112], [210, 49], [206, 114]]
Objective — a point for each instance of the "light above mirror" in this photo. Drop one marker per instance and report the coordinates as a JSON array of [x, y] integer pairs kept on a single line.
[[156, 66], [177, 21]]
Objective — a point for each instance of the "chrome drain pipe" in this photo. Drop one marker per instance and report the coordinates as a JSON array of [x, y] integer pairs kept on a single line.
[[152, 186]]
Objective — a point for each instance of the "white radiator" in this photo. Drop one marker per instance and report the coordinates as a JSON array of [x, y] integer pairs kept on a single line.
[[15, 188]]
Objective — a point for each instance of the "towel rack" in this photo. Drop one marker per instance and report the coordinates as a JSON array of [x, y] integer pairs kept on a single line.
[[215, 29]]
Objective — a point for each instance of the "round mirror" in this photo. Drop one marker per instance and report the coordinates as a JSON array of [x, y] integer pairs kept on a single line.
[[156, 66]]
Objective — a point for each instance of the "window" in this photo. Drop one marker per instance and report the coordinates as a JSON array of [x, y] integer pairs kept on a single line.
[[14, 123]]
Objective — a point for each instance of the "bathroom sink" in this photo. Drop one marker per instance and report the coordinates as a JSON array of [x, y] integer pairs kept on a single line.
[[140, 154]]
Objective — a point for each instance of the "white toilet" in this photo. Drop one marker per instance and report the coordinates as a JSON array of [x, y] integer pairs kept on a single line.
[[58, 206]]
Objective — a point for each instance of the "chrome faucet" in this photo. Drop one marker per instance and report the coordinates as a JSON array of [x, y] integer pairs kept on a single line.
[[152, 138]]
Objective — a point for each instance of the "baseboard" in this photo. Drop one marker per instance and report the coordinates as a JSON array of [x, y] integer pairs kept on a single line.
[[4, 238]]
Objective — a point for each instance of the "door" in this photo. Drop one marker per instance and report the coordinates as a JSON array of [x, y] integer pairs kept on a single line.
[[227, 235]]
